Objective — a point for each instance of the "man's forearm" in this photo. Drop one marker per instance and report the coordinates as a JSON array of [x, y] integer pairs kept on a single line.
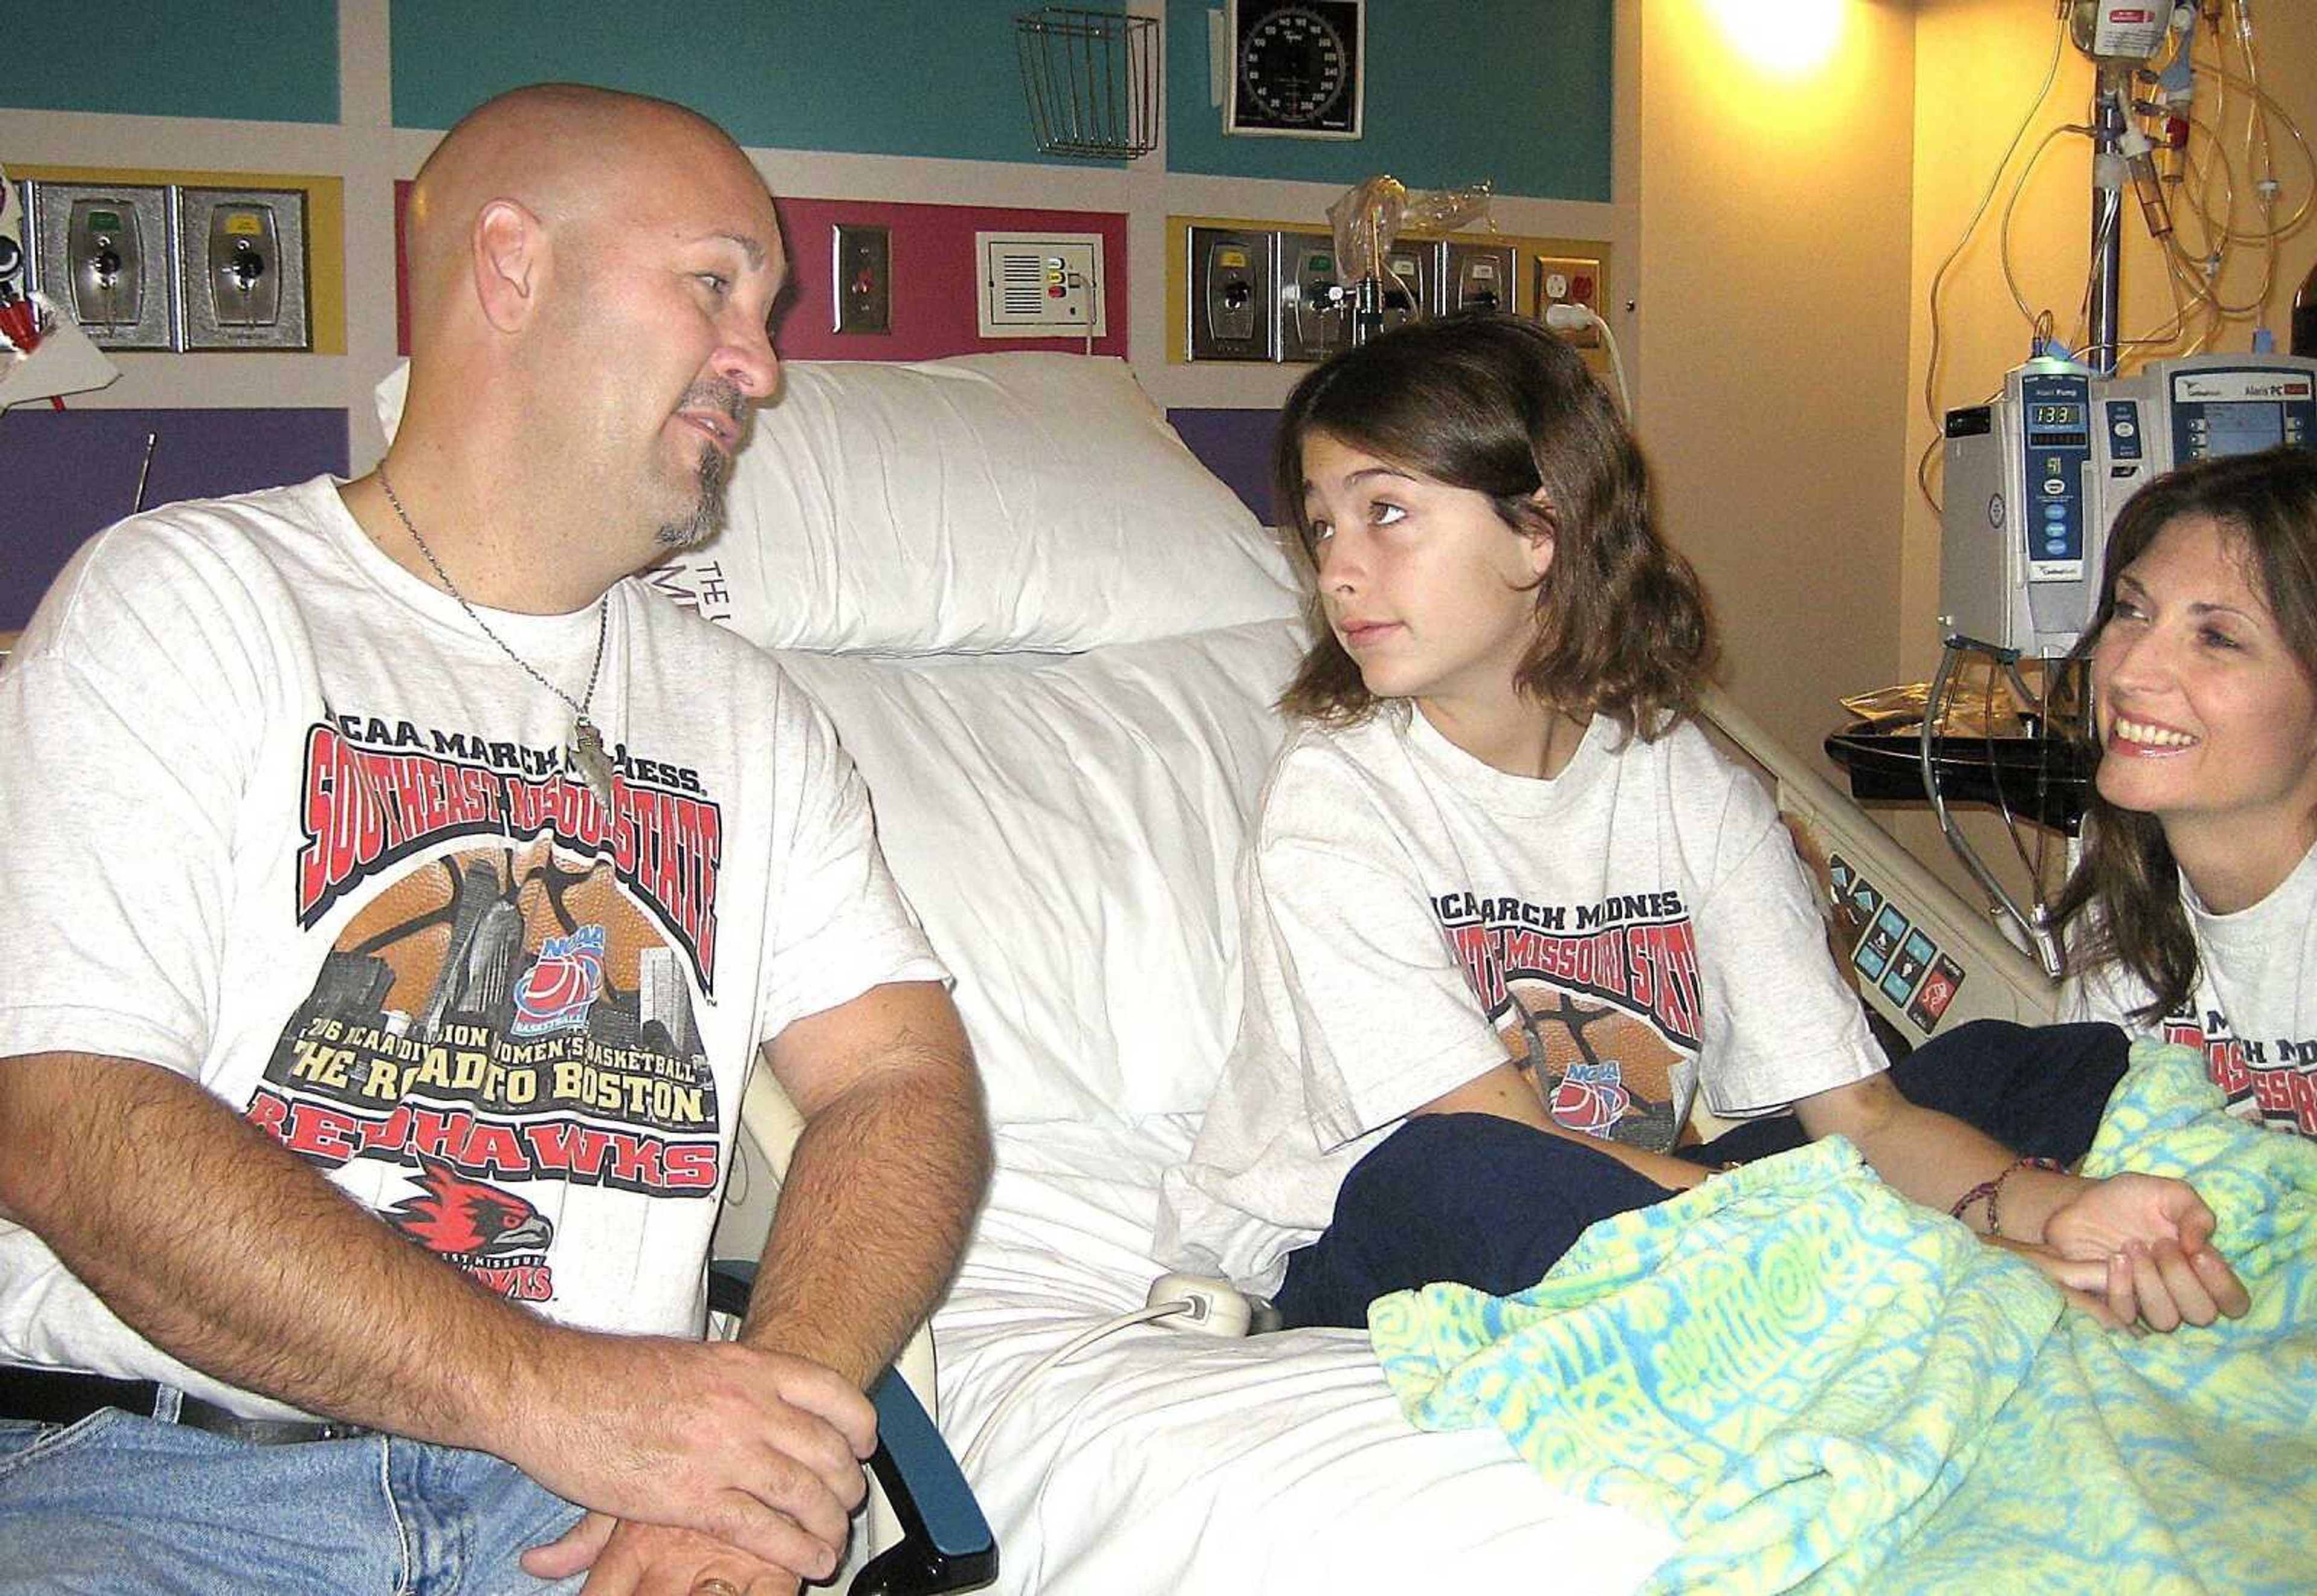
[[879, 1197], [238, 1259]]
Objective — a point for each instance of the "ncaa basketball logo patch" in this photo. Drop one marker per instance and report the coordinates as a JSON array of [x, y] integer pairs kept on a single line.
[[558, 990]]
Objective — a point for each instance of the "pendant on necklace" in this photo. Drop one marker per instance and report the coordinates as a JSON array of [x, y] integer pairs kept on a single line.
[[587, 754]]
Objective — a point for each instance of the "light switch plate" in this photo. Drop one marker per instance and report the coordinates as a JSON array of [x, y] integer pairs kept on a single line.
[[860, 278]]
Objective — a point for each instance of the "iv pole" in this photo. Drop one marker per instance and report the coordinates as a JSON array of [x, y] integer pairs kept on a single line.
[[2108, 176], [2107, 215]]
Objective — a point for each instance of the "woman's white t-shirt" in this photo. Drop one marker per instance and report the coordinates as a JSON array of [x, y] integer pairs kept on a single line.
[[2254, 1011]]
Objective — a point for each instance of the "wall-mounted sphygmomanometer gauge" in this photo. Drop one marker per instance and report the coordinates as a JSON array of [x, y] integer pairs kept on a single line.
[[1296, 67]]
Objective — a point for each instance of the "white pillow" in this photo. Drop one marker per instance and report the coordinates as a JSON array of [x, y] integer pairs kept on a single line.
[[989, 503], [1067, 829]]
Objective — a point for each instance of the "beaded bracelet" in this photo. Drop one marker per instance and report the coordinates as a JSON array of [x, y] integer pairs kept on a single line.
[[1991, 1190]]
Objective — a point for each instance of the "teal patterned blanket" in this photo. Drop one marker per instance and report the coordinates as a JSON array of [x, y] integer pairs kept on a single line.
[[1819, 1386]]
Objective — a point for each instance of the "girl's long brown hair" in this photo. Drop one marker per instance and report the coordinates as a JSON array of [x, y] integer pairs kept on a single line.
[[1498, 405]]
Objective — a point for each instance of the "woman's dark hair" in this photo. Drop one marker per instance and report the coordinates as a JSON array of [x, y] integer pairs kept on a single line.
[[2266, 504], [1498, 405]]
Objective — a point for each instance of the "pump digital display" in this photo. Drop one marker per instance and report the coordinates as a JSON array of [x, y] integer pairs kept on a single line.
[[2242, 429], [2069, 416]]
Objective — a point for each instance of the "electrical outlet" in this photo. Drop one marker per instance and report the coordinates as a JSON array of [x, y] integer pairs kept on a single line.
[[1568, 281], [861, 278]]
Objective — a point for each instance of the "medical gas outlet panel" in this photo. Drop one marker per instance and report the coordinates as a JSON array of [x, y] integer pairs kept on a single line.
[[2033, 481], [1257, 292], [172, 266]]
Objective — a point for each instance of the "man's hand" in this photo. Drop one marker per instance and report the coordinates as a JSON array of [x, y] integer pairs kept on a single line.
[[2152, 1239], [624, 1558], [754, 1449]]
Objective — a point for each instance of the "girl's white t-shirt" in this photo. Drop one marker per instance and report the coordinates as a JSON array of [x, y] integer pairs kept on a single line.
[[1638, 929]]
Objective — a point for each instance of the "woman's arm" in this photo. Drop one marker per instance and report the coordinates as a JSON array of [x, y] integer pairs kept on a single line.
[[2150, 1236]]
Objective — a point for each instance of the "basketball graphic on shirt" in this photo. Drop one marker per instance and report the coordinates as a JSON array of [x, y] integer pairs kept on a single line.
[[1599, 1069], [532, 959], [496, 1022], [561, 986], [504, 905]]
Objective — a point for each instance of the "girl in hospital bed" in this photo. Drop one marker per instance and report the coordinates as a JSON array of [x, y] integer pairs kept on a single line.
[[2193, 911], [1506, 911]]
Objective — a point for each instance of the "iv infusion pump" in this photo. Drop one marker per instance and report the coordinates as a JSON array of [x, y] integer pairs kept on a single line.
[[2035, 480]]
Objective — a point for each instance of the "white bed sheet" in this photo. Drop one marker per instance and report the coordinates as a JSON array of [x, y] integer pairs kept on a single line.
[[1161, 1460]]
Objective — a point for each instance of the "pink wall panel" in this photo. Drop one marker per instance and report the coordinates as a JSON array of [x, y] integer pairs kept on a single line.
[[935, 295], [935, 290]]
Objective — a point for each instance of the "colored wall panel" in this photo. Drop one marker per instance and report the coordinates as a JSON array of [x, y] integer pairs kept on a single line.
[[934, 299], [1513, 92], [326, 229], [874, 77], [273, 63], [68, 474], [1236, 445], [936, 279]]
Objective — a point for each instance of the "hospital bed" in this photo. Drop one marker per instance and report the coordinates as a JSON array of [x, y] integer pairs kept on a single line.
[[1051, 641]]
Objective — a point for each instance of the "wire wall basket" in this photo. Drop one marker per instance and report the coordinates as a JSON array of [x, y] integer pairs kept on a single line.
[[1092, 81]]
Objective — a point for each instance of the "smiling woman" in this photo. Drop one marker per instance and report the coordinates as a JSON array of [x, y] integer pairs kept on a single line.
[[2195, 907]]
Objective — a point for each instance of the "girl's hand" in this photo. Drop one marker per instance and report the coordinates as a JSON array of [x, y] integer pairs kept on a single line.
[[2151, 1238]]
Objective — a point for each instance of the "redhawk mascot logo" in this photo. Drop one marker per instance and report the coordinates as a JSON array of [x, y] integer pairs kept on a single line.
[[462, 1218]]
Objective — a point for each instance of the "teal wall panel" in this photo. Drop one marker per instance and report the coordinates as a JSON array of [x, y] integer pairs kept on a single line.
[[1515, 92], [904, 77], [276, 62]]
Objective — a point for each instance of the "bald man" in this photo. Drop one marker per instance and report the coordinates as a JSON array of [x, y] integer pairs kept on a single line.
[[397, 898]]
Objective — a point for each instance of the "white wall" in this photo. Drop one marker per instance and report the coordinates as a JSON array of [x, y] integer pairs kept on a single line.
[[1774, 249]]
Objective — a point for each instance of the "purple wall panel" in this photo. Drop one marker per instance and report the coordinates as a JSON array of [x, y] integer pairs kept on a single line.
[[66, 474], [1236, 445]]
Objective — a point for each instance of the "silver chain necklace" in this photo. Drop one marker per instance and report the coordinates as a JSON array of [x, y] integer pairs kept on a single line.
[[586, 749]]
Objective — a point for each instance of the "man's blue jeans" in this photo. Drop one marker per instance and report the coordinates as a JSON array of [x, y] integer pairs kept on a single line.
[[119, 1503]]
